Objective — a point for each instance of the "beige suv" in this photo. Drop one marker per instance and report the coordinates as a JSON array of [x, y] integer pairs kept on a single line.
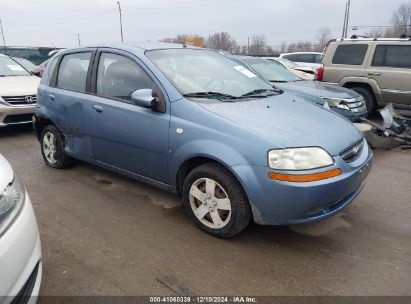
[[378, 69], [18, 89]]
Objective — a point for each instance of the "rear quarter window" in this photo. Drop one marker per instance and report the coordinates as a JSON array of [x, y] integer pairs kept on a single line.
[[72, 74], [396, 56], [351, 54]]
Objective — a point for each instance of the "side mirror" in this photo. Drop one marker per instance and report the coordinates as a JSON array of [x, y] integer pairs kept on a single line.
[[143, 98]]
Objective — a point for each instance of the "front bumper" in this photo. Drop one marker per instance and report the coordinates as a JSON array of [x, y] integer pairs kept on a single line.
[[284, 203], [354, 115], [15, 115], [20, 255]]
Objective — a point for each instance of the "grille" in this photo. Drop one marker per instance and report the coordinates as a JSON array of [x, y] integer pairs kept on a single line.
[[20, 100], [18, 119], [355, 104], [353, 152]]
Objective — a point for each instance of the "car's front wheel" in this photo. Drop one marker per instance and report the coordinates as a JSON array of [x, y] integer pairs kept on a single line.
[[216, 201], [52, 148]]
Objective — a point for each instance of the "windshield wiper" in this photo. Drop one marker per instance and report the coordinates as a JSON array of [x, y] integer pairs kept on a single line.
[[210, 95], [258, 92]]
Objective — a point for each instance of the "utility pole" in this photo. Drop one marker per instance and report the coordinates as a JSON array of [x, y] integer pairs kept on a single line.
[[121, 21], [248, 45], [2, 35], [78, 38], [346, 19]]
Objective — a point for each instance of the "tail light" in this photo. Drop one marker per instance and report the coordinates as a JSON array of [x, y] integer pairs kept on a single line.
[[319, 74]]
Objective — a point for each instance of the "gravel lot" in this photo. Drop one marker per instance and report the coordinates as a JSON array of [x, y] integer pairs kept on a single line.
[[103, 234]]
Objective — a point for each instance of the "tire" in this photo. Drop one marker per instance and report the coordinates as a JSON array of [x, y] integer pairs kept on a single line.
[[52, 148], [209, 207], [370, 102]]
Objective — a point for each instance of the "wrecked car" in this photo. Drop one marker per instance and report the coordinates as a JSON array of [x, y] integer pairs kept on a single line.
[[197, 123], [341, 100]]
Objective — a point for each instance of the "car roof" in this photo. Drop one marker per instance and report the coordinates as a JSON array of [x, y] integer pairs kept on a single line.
[[146, 46], [301, 53]]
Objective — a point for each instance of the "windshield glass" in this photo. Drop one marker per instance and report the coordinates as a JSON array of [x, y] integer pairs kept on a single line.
[[194, 71], [28, 65], [9, 67], [271, 70], [287, 63]]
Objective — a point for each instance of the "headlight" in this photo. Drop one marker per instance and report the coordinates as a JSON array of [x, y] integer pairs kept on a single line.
[[299, 158], [11, 202], [337, 103]]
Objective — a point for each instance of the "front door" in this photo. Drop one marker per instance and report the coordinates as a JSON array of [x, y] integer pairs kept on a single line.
[[124, 135]]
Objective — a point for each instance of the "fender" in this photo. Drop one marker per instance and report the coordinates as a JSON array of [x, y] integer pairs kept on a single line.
[[371, 82], [218, 151]]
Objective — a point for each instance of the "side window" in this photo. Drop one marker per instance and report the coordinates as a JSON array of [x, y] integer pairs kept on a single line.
[[72, 73], [318, 58], [119, 76], [292, 57], [351, 54], [396, 56], [308, 58], [52, 66]]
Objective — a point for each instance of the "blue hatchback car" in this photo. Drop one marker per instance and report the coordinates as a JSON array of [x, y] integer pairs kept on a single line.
[[194, 122]]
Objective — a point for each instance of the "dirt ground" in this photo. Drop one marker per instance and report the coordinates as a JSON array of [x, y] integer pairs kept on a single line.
[[103, 234]]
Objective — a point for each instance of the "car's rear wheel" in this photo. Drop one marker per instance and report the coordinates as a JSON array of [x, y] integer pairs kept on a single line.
[[216, 201], [370, 102], [52, 148]]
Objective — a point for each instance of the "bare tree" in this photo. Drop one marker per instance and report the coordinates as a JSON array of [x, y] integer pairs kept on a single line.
[[179, 39], [375, 33], [223, 41], [323, 36], [258, 45], [283, 47], [401, 20]]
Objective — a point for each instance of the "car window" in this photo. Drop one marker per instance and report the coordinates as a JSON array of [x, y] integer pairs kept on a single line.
[[197, 70], [119, 76], [396, 56], [308, 58], [292, 57], [352, 54], [72, 73], [318, 58], [52, 66], [9, 67], [271, 70]]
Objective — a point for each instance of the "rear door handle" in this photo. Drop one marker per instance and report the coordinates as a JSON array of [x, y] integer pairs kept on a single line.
[[52, 97], [98, 109], [374, 73]]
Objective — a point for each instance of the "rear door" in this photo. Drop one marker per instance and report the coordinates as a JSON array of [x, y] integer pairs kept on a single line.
[[390, 66], [67, 99], [345, 60], [124, 135]]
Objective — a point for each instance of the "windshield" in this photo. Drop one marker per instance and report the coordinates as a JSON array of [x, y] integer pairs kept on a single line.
[[271, 70], [9, 67], [201, 71], [287, 63], [28, 65]]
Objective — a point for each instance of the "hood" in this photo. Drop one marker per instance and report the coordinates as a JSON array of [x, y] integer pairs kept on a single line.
[[19, 85], [317, 88], [290, 121], [6, 173]]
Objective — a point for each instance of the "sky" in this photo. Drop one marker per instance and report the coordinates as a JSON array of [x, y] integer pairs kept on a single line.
[[56, 22]]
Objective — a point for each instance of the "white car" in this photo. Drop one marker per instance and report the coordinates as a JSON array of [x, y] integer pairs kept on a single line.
[[20, 249], [18, 89], [307, 59]]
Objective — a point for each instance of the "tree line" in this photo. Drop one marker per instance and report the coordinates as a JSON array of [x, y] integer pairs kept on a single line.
[[257, 44]]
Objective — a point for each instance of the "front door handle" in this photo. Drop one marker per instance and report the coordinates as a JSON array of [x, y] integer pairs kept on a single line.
[[374, 73], [52, 97], [98, 109]]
